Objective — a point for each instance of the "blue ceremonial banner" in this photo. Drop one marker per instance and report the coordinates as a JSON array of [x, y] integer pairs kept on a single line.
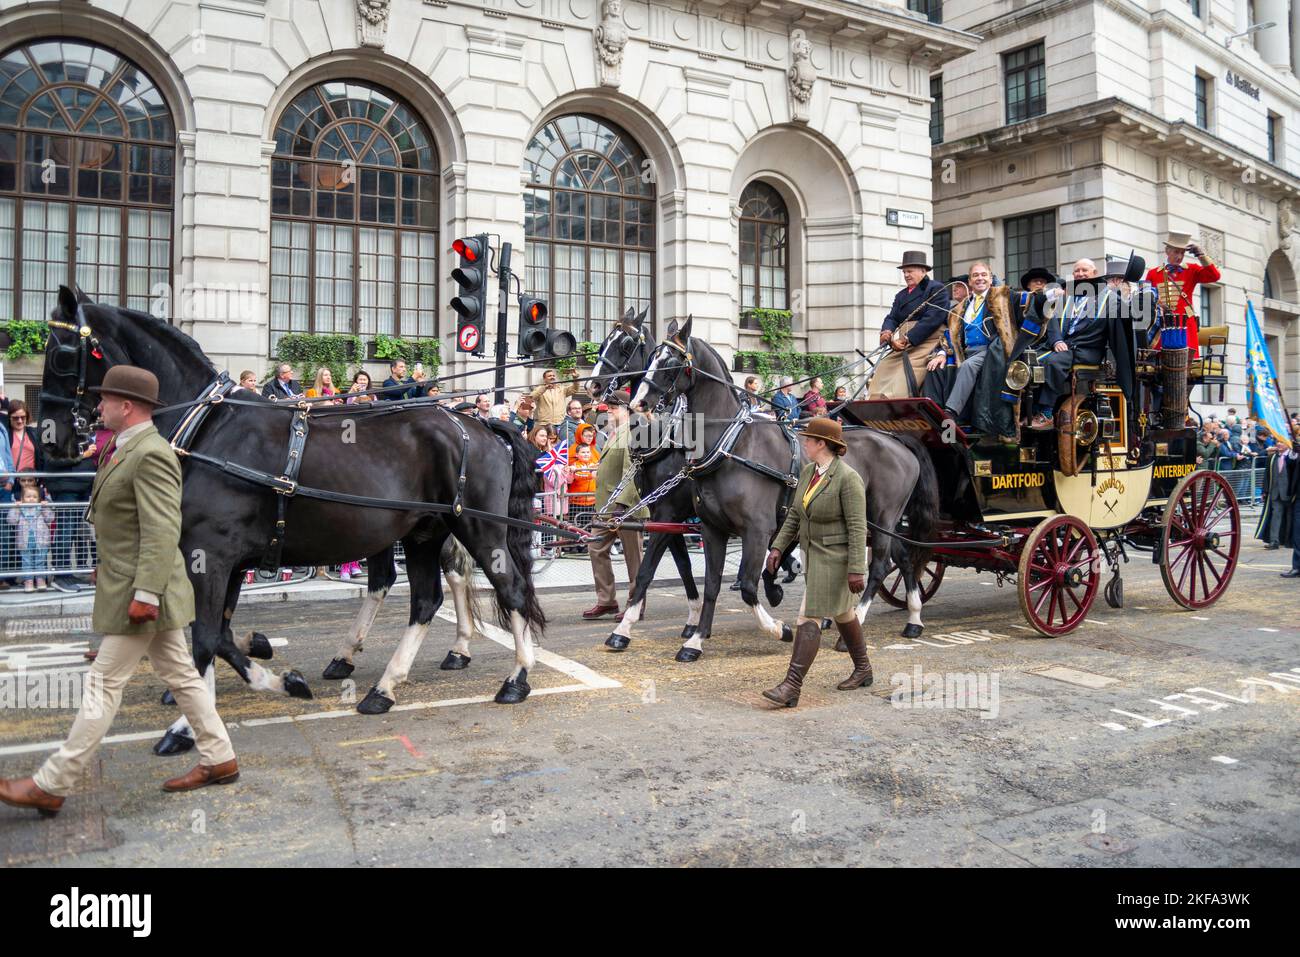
[[1261, 380]]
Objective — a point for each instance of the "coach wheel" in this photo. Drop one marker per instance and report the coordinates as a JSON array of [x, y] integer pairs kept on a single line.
[[1202, 536], [1060, 569], [892, 591]]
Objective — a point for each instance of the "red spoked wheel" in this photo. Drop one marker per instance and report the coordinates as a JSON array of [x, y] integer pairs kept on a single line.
[[1202, 536], [891, 590], [1060, 568]]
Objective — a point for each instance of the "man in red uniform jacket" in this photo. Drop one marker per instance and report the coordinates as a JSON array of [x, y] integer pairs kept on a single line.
[[1176, 284]]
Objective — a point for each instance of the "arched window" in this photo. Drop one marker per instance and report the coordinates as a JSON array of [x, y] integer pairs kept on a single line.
[[764, 259], [589, 221], [354, 216], [87, 167]]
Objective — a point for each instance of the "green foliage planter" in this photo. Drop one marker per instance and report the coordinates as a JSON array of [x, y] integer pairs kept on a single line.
[[307, 352], [781, 357], [391, 348], [26, 338]]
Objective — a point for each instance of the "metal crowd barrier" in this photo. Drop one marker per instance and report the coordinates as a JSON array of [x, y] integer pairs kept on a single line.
[[41, 542], [1247, 481]]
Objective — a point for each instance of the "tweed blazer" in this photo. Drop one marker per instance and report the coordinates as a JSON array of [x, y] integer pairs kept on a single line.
[[135, 506], [832, 533]]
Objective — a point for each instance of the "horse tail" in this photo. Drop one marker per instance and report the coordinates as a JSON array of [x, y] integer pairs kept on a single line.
[[519, 540], [923, 505], [456, 559]]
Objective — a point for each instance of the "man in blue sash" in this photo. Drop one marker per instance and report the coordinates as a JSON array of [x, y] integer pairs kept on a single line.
[[1080, 335]]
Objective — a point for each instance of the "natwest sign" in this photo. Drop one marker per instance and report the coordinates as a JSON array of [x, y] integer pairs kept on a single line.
[[1241, 83]]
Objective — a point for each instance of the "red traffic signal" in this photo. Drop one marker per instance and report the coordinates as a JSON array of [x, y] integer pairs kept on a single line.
[[471, 303]]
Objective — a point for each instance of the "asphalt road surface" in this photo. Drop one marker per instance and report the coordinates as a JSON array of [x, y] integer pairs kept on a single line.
[[1151, 736]]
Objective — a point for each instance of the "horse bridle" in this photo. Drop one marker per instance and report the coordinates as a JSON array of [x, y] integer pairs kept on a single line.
[[87, 347], [611, 384]]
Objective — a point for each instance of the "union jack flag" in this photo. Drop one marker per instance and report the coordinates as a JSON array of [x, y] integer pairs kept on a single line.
[[555, 457]]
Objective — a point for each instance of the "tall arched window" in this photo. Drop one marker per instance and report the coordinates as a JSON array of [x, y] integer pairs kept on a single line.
[[87, 166], [589, 221], [354, 216], [764, 263]]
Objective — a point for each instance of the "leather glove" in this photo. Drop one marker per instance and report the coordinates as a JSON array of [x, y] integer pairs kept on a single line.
[[773, 560], [856, 584], [141, 611], [1194, 249]]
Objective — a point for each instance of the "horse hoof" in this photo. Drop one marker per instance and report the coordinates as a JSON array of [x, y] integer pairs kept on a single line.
[[375, 703], [688, 655], [455, 661], [338, 668], [826, 624], [787, 633], [259, 646], [295, 685], [774, 594], [168, 699], [173, 743], [514, 690], [687, 631], [617, 642], [912, 631]]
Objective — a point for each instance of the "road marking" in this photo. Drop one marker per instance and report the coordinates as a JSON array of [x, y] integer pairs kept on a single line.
[[1224, 759], [376, 779], [1084, 679], [1198, 618], [278, 642], [1272, 631], [1023, 627], [1094, 621], [1114, 726], [588, 681]]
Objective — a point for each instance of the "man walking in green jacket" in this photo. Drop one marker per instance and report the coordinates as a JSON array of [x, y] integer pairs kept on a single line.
[[143, 600], [613, 463]]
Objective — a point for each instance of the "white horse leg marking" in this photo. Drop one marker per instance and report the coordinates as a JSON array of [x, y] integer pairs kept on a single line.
[[259, 679], [524, 658], [693, 616], [630, 618], [361, 626], [464, 620], [864, 606], [181, 727], [914, 606], [399, 666], [696, 641], [766, 622]]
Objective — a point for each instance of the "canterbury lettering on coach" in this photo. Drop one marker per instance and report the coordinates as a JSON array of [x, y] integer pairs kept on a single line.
[[76, 910]]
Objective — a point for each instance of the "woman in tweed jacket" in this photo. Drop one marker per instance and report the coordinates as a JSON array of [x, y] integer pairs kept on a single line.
[[829, 517]]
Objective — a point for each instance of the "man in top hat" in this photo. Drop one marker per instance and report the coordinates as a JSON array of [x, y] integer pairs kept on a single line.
[[143, 600], [913, 329], [1081, 335], [1176, 283]]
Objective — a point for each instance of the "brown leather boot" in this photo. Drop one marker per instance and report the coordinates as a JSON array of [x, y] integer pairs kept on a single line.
[[807, 639], [24, 792], [851, 635], [201, 775]]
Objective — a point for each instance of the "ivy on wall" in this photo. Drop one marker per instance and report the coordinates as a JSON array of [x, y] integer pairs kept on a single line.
[[781, 357], [308, 352]]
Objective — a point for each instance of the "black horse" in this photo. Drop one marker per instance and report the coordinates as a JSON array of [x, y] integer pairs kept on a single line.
[[393, 451], [627, 349], [735, 498]]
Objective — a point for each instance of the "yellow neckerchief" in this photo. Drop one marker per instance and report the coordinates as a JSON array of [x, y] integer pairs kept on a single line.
[[812, 490]]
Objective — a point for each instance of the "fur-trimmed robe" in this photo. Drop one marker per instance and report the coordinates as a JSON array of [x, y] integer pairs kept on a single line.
[[990, 413]]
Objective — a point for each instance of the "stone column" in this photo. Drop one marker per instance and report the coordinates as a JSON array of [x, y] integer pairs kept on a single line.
[[1274, 44], [1295, 37]]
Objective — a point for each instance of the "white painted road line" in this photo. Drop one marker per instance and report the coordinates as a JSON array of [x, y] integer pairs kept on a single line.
[[588, 681], [1198, 618], [1224, 759], [1271, 631], [1084, 679], [1114, 726]]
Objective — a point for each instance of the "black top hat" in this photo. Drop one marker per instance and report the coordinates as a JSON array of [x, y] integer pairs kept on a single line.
[[1037, 272], [915, 257]]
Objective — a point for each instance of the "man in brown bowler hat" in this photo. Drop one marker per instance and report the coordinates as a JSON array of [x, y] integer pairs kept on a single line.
[[143, 600]]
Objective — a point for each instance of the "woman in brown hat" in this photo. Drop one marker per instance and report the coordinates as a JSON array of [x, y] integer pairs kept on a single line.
[[829, 517]]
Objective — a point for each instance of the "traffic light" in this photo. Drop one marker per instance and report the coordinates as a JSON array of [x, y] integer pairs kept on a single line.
[[471, 304], [537, 340]]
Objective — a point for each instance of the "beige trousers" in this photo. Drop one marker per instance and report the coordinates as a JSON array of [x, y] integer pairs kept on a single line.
[[119, 655], [603, 569]]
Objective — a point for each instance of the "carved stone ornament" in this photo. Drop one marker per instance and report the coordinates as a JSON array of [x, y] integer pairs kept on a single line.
[[372, 22], [800, 76], [1286, 225], [611, 38]]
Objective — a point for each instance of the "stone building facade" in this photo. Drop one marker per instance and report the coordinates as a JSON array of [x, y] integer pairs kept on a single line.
[[312, 160], [1080, 128]]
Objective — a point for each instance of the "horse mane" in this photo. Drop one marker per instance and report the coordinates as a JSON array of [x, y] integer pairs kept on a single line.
[[163, 330]]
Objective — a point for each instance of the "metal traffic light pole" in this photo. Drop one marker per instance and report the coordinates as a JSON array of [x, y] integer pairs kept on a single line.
[[503, 309]]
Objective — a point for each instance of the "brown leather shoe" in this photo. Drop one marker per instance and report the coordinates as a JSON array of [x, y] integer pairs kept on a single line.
[[201, 775], [600, 611], [24, 792]]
